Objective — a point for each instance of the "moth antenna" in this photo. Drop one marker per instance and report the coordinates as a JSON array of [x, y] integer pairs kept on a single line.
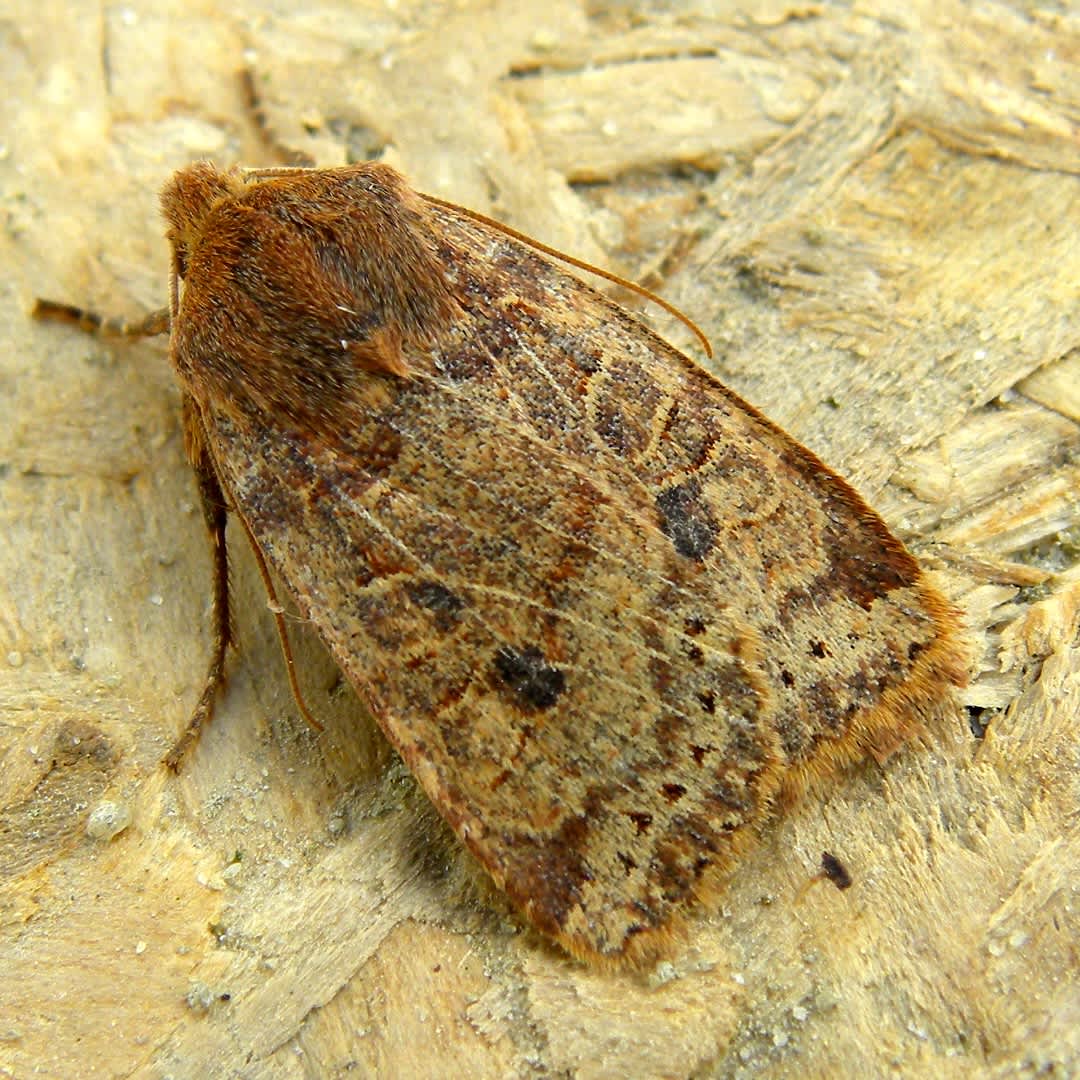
[[555, 253], [283, 633]]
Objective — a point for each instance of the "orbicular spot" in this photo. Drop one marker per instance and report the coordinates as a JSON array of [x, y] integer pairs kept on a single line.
[[534, 682], [642, 821], [443, 603], [787, 678], [818, 649], [672, 792], [708, 701], [686, 520]]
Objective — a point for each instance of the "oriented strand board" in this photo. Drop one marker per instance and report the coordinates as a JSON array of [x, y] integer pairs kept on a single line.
[[872, 212]]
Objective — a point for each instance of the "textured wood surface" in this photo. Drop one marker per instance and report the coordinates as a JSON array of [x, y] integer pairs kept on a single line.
[[872, 214]]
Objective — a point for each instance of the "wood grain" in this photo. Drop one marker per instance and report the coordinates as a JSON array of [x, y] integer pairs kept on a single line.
[[883, 252]]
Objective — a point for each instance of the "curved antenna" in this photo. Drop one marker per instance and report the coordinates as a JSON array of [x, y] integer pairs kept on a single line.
[[555, 253]]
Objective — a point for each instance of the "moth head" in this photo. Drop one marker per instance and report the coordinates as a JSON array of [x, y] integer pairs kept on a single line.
[[299, 285], [186, 202]]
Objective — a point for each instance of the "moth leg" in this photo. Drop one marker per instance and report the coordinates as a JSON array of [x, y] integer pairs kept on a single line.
[[282, 630], [90, 322], [267, 135], [215, 514]]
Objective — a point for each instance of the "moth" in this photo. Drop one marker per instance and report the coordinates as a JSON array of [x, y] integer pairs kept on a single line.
[[610, 615]]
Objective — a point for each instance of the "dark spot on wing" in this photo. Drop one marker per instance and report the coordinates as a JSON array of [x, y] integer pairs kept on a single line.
[[444, 604], [533, 682], [686, 521]]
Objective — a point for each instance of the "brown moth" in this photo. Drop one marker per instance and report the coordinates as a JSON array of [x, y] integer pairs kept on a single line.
[[609, 614]]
